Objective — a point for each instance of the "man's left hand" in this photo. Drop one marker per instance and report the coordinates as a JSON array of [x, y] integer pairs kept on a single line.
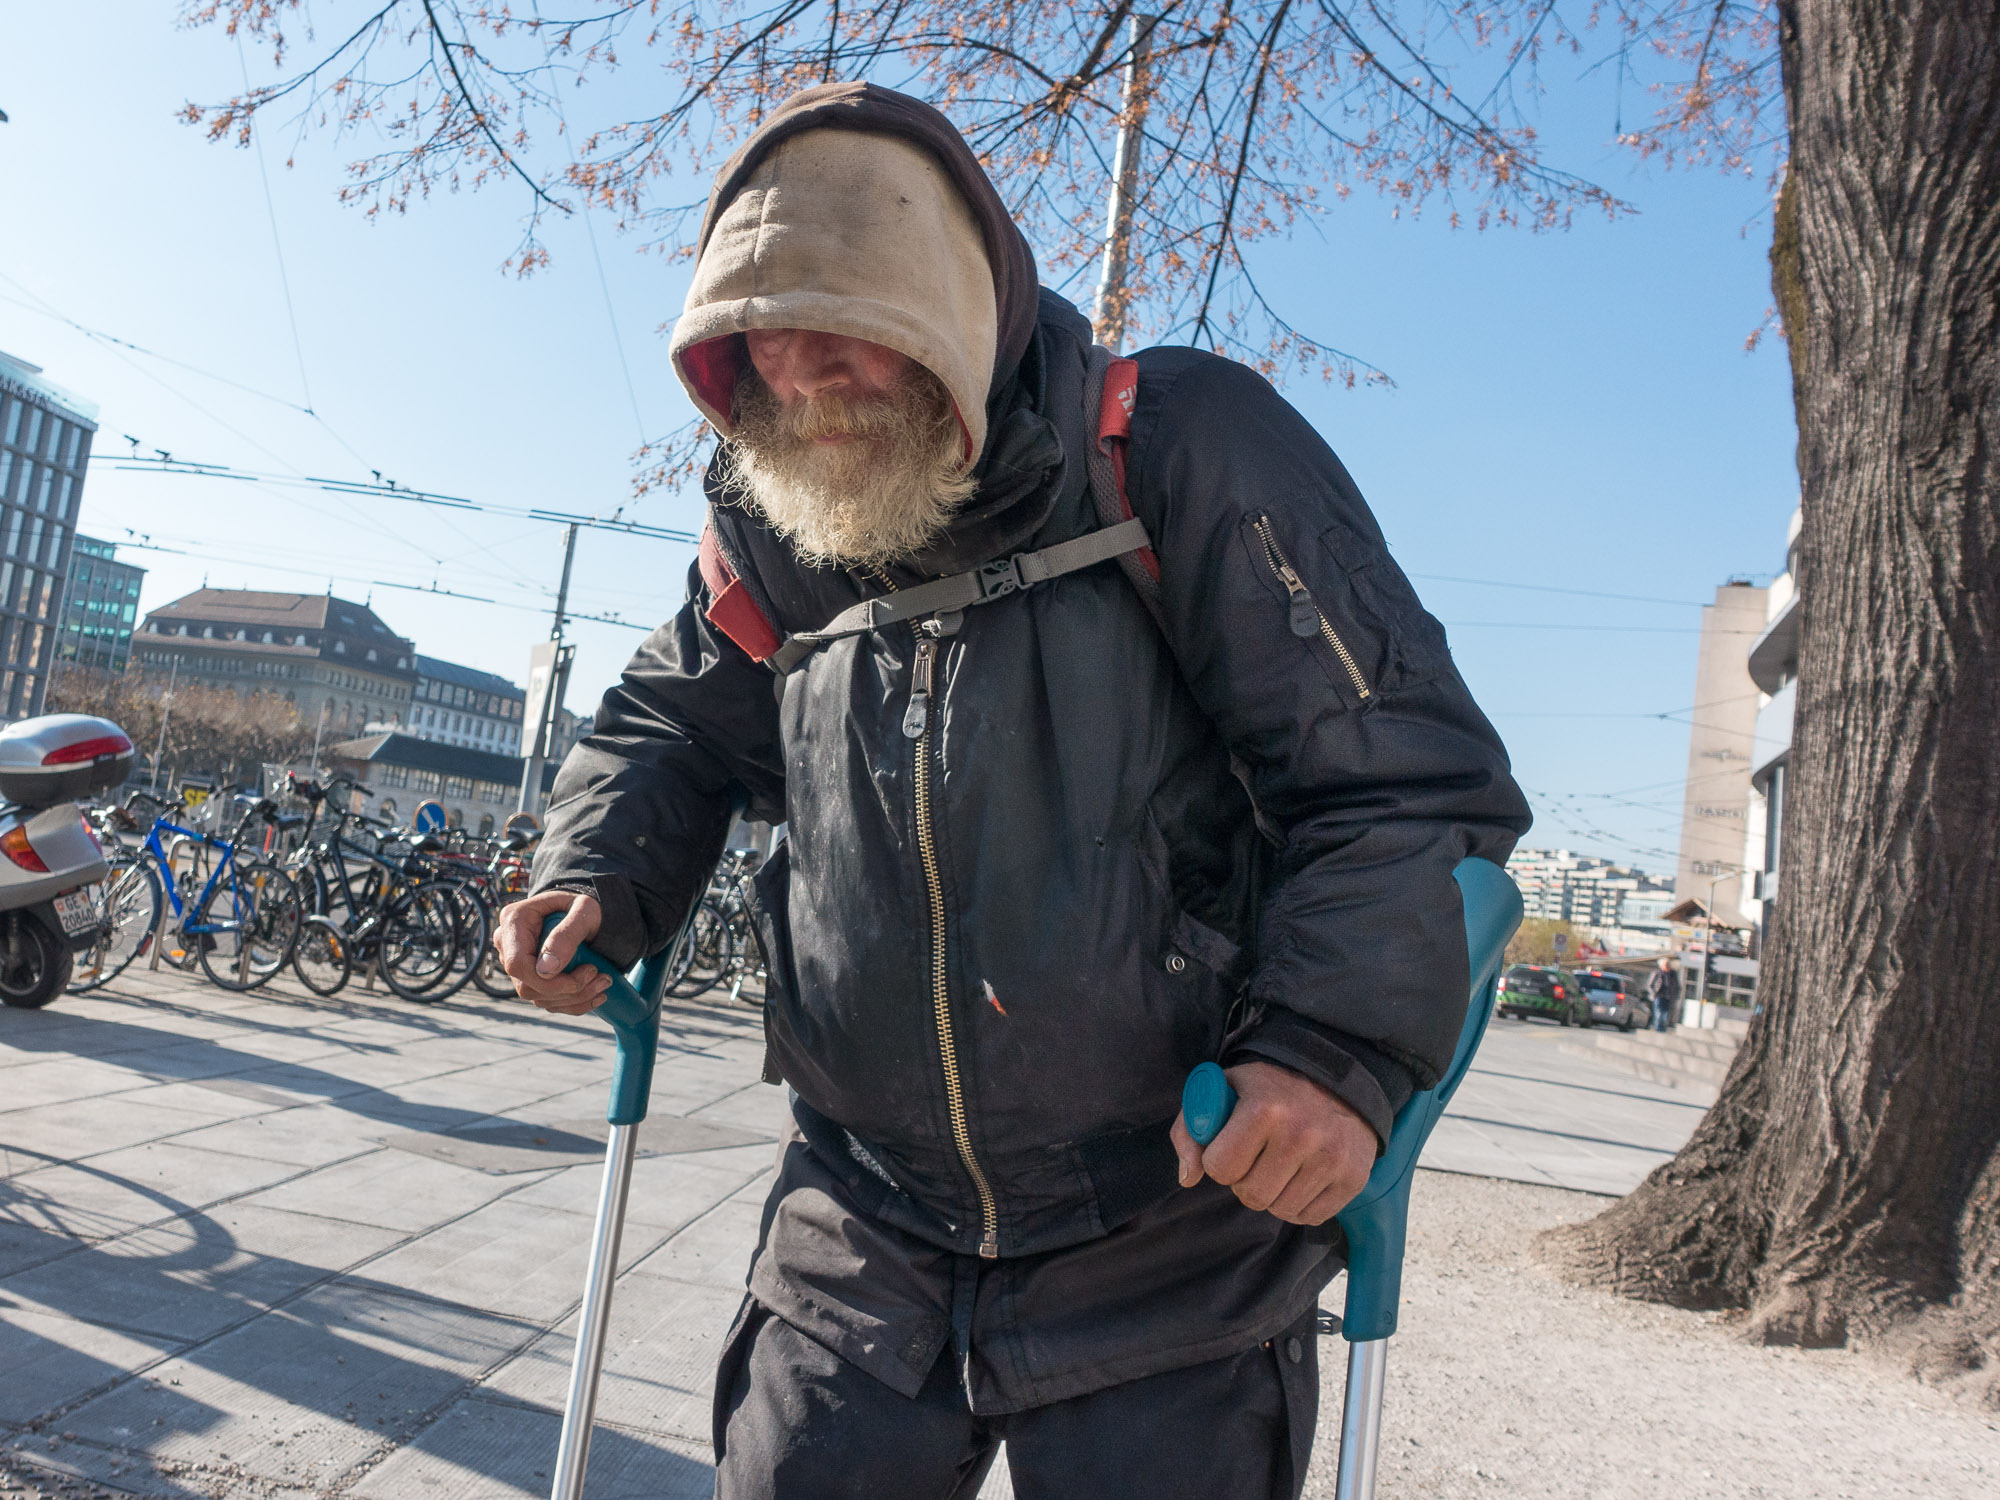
[[1290, 1147]]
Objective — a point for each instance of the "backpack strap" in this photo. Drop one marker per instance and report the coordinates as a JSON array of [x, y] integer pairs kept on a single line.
[[981, 585], [1111, 391]]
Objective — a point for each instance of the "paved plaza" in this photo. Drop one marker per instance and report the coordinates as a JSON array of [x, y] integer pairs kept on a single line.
[[270, 1245]]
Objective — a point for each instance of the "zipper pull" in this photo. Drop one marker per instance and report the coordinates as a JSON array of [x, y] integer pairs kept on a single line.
[[989, 1245], [1305, 613], [918, 714]]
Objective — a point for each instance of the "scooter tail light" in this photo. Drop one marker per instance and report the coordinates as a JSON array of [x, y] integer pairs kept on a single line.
[[91, 834], [14, 844], [83, 750]]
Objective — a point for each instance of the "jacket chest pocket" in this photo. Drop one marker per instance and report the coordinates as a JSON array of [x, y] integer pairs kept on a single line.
[[1346, 600]]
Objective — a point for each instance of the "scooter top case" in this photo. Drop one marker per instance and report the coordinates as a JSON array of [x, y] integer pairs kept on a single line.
[[61, 757]]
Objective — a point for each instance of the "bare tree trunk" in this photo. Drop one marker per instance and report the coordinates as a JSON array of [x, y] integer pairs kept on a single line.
[[1846, 1185]]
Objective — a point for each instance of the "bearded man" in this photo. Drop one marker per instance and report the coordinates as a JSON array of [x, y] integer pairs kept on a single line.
[[1110, 740]]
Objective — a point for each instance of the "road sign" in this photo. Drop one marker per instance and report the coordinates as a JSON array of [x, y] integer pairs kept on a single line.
[[428, 818], [1561, 940]]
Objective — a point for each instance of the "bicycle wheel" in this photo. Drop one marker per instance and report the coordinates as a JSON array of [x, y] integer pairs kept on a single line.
[[247, 924], [490, 977], [710, 949], [475, 926], [416, 945], [128, 914], [320, 958]]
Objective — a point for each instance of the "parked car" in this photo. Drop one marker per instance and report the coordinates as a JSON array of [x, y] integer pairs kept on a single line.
[[1615, 999], [1543, 990]]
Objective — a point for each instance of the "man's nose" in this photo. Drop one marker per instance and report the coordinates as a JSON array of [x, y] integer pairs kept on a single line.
[[817, 364]]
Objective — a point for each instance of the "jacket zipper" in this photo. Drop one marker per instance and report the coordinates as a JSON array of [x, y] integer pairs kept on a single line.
[[1306, 614], [917, 725]]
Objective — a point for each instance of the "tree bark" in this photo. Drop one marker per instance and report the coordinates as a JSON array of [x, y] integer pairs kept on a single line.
[[1846, 1186]]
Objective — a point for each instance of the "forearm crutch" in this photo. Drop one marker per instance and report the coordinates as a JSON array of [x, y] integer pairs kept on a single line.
[[1377, 1221], [632, 1006]]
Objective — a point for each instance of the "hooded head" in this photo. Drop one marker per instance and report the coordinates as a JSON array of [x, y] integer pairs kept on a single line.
[[860, 212]]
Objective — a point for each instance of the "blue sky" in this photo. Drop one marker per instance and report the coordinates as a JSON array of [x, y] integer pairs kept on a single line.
[[1571, 410]]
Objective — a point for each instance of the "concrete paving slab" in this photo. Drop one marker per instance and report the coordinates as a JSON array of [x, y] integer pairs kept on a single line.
[[53, 1361], [23, 1246], [754, 1106], [58, 1079], [309, 1137], [506, 1146], [659, 1358], [193, 1277], [667, 1191], [81, 1128], [510, 1258], [391, 1189], [121, 1190], [301, 1397], [715, 1249], [489, 1450]]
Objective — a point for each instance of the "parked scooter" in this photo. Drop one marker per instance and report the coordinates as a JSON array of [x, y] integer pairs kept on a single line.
[[51, 855]]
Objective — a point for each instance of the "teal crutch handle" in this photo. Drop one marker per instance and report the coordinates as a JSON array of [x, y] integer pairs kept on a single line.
[[1377, 1221], [632, 1007]]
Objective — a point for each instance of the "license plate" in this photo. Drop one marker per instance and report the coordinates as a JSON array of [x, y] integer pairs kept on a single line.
[[76, 911]]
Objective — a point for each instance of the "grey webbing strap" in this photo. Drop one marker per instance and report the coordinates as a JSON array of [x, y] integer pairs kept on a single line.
[[989, 581]]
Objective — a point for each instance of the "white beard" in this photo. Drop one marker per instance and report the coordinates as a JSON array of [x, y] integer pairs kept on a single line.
[[879, 498]]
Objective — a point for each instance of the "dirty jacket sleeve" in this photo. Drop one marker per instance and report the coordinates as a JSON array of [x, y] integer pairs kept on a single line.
[[1369, 763], [642, 805]]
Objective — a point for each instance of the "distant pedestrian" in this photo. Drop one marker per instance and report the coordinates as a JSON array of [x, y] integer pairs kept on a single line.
[[1663, 988]]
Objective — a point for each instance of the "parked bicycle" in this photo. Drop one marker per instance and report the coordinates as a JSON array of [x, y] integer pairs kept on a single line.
[[208, 901], [373, 903]]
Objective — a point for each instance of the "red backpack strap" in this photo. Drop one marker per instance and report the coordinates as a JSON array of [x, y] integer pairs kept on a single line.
[[731, 610], [1114, 436]]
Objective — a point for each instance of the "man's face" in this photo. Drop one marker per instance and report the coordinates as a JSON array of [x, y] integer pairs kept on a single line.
[[850, 449]]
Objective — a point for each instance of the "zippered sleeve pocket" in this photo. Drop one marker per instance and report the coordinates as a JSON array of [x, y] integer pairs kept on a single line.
[[1326, 625]]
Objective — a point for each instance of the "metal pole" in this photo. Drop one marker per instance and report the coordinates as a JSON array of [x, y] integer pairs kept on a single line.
[[1361, 1419], [541, 734], [1112, 297], [318, 729], [166, 713], [594, 1316]]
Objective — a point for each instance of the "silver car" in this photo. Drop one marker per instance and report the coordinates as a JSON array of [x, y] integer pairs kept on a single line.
[[1615, 999]]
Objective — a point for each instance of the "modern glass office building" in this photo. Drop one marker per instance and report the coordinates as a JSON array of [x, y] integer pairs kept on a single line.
[[99, 608], [45, 436]]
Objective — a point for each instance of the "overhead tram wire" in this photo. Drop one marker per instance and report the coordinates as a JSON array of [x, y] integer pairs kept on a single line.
[[450, 504]]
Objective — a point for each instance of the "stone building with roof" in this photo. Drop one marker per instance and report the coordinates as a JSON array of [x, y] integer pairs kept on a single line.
[[477, 788], [335, 659]]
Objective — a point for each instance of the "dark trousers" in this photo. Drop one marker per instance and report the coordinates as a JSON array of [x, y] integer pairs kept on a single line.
[[794, 1421]]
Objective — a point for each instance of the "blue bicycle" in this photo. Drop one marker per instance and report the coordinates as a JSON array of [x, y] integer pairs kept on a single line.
[[229, 910]]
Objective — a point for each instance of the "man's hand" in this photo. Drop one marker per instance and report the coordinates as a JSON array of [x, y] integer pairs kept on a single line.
[[1290, 1147], [537, 967]]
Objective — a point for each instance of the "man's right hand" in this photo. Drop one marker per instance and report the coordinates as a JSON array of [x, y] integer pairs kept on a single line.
[[537, 967]]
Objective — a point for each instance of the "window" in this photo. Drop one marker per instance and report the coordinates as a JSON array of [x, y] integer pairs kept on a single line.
[[371, 653], [75, 444], [208, 632], [340, 648], [14, 419], [458, 786], [55, 439], [34, 442], [267, 637], [402, 663]]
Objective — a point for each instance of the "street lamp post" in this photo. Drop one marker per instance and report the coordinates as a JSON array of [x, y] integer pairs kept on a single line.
[[1708, 938]]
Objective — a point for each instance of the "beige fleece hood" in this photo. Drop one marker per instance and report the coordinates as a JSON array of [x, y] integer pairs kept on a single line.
[[845, 220]]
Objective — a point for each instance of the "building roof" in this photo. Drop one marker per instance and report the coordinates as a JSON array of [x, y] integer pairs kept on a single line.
[[468, 677], [256, 609], [30, 382], [394, 749]]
